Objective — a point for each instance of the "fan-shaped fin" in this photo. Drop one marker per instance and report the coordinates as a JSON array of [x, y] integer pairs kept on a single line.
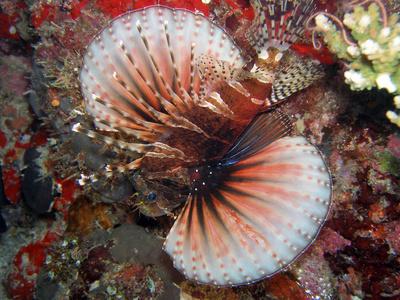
[[278, 23], [295, 76], [265, 129], [254, 213], [140, 77], [142, 66]]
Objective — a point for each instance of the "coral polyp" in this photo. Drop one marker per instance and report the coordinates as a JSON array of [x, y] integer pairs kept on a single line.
[[371, 51]]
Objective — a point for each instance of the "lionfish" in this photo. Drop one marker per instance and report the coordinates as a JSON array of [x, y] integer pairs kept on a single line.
[[173, 85]]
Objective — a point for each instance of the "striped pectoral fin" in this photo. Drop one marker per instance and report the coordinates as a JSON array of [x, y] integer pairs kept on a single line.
[[278, 23], [143, 61], [253, 217], [263, 130], [215, 74], [294, 77]]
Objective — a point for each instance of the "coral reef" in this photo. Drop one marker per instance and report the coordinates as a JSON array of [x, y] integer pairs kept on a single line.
[[85, 245], [355, 239], [371, 53]]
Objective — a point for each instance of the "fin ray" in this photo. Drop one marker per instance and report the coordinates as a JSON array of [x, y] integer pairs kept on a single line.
[[293, 77], [277, 25], [237, 227], [143, 65]]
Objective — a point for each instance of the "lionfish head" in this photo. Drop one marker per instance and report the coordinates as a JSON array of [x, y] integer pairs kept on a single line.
[[172, 82], [160, 195], [276, 26]]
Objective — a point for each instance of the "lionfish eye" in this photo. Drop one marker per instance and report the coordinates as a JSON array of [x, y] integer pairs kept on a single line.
[[278, 56], [152, 196]]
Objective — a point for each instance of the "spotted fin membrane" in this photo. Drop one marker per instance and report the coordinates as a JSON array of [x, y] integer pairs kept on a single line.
[[256, 211], [277, 25], [295, 76], [172, 82], [140, 76]]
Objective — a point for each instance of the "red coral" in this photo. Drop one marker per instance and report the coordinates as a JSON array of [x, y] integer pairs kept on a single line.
[[20, 287], [77, 9], [281, 287], [42, 12], [6, 24], [68, 193], [28, 261], [331, 241], [9, 16], [12, 184], [305, 50], [116, 8], [3, 139]]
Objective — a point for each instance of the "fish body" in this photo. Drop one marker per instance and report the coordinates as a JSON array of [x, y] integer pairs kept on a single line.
[[173, 84], [194, 109]]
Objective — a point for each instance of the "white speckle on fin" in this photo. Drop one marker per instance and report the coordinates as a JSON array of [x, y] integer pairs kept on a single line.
[[278, 23], [256, 212], [217, 71], [140, 77], [213, 73], [293, 77], [140, 68]]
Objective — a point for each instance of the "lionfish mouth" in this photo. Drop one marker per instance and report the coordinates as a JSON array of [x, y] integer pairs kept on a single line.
[[173, 81]]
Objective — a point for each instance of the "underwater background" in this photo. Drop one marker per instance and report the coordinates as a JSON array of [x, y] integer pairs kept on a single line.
[[61, 240]]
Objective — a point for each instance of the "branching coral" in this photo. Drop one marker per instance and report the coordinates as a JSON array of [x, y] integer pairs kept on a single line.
[[392, 116], [372, 51]]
